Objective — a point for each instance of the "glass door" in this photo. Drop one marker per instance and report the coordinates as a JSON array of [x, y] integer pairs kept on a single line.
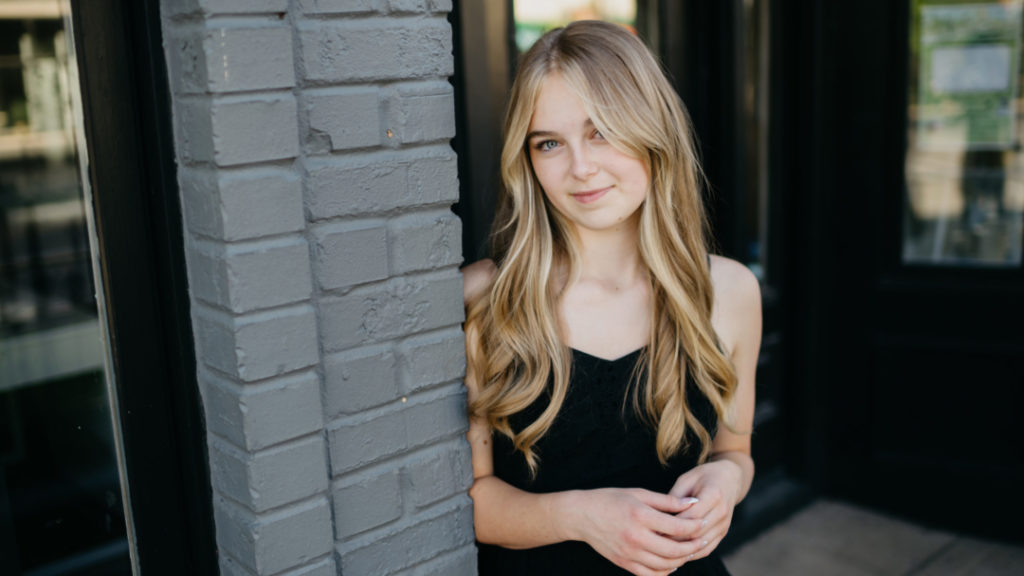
[[964, 164], [61, 497], [912, 353]]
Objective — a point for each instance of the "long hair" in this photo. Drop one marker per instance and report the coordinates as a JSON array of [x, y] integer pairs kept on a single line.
[[515, 352]]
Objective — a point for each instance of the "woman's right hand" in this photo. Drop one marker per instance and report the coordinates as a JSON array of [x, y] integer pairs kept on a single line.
[[635, 529]]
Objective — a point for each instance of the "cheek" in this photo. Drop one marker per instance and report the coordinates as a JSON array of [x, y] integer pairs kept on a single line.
[[546, 173], [638, 178]]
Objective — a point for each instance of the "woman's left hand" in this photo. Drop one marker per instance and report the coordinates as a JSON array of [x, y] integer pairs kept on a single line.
[[716, 484]]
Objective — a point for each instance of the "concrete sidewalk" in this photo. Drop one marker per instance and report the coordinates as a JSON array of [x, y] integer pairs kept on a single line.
[[834, 539]]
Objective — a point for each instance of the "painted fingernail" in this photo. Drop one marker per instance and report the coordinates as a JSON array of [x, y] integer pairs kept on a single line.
[[690, 500]]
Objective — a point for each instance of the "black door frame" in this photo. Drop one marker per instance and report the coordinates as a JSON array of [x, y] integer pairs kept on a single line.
[[709, 69], [132, 175]]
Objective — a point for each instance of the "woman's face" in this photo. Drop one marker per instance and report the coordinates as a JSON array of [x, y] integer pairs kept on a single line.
[[589, 181]]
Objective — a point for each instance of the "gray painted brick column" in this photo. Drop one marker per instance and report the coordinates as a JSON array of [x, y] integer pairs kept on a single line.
[[316, 180]]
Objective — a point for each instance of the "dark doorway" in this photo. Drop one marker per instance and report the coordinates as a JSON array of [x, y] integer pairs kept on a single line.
[[914, 356]]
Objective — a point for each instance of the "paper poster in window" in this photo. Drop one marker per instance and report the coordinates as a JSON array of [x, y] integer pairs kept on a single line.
[[968, 60]]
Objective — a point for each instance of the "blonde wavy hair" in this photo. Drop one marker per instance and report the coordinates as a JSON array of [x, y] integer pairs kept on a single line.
[[515, 352]]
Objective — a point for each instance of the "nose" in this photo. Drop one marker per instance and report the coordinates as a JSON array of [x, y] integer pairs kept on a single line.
[[583, 165]]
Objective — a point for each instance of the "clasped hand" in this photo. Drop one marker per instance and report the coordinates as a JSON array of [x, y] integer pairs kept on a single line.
[[650, 534]]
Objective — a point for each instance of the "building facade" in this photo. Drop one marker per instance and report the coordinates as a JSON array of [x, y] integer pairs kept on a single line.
[[230, 234]]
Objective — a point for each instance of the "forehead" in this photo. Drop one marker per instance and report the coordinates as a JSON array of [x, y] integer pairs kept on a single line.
[[557, 107]]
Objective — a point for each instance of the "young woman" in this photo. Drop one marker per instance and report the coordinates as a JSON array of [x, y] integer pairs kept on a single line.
[[611, 360]]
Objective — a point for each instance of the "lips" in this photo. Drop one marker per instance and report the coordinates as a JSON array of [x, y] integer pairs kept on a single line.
[[588, 196]]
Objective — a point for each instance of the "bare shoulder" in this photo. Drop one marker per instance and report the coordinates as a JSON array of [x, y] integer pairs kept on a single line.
[[737, 307], [734, 284], [477, 278]]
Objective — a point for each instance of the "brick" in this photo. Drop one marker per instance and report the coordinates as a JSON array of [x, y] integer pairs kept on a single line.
[[432, 359], [382, 182], [242, 204], [254, 129], [365, 503], [271, 543], [433, 177], [217, 7], [230, 567], [186, 59], [200, 202], [240, 59], [270, 478], [440, 473], [424, 241], [399, 307], [363, 50], [194, 137], [357, 186], [460, 562], [407, 6], [348, 118], [213, 7], [251, 276], [340, 6], [421, 113], [258, 346], [322, 567], [207, 278], [350, 253], [414, 424], [256, 416], [359, 379], [411, 545]]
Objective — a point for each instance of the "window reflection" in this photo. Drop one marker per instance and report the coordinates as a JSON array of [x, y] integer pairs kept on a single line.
[[535, 17], [964, 164], [61, 509]]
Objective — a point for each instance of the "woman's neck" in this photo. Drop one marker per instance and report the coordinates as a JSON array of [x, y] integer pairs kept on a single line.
[[610, 257]]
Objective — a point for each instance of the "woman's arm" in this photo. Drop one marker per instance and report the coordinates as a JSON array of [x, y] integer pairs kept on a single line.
[[636, 529], [722, 482]]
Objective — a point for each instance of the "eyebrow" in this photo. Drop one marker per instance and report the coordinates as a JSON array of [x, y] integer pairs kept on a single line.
[[548, 133], [540, 134]]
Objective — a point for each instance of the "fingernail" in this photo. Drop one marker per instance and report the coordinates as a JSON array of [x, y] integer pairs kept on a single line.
[[703, 543], [690, 500]]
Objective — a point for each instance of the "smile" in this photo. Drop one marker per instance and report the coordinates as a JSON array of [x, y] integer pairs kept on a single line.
[[588, 196]]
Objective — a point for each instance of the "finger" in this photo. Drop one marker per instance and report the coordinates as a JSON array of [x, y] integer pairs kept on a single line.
[[664, 502], [671, 526], [705, 544], [641, 570], [684, 486], [715, 523], [660, 551], [656, 563], [706, 502], [706, 547]]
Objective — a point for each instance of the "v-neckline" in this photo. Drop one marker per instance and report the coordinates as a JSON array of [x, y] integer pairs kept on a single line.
[[609, 360]]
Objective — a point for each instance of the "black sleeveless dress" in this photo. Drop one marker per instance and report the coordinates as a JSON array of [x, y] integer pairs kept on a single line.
[[594, 443]]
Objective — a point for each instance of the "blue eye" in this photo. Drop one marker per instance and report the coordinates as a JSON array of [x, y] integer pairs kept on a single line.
[[598, 135], [545, 145]]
